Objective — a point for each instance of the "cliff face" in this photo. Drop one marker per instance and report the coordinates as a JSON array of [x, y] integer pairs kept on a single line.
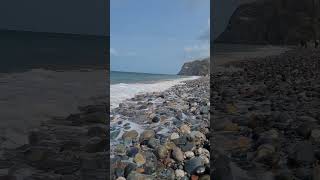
[[195, 68], [273, 22]]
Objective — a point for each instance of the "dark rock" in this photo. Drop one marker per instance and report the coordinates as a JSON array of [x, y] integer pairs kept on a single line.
[[146, 135], [98, 130], [177, 154], [96, 144], [138, 176], [222, 168], [155, 119], [302, 153], [305, 129], [129, 168], [191, 165], [200, 170], [132, 151]]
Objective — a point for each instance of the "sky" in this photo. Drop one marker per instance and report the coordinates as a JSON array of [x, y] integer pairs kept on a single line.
[[158, 36]]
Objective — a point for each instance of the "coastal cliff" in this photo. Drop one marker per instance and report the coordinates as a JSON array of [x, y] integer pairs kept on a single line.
[[273, 22], [195, 68]]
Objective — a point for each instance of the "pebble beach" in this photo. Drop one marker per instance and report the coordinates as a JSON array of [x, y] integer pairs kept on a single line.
[[162, 135], [265, 114]]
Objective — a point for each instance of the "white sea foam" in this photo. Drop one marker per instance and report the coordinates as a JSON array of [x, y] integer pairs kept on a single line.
[[120, 92]]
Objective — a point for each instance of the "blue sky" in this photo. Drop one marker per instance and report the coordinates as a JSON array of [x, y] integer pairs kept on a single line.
[[158, 36]]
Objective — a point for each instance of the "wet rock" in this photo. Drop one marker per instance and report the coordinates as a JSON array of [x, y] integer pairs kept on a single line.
[[315, 135], [177, 154], [114, 134], [270, 136], [166, 174], [185, 143], [265, 152], [120, 149], [200, 170], [129, 168], [302, 152], [98, 130], [243, 143], [96, 144], [153, 143], [155, 119], [132, 151], [231, 127], [316, 172], [130, 135], [150, 166], [222, 168], [205, 177], [204, 110], [138, 176], [139, 159], [95, 117], [192, 164], [303, 173], [305, 129], [146, 135], [162, 152], [94, 165]]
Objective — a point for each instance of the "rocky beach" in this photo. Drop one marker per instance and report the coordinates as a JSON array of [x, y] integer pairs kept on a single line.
[[162, 135], [54, 125], [265, 118], [70, 148]]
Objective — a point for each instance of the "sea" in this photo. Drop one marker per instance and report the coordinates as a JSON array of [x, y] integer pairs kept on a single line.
[[48, 75], [125, 85], [22, 51]]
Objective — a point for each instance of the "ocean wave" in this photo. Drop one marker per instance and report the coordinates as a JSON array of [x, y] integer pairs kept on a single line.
[[122, 91]]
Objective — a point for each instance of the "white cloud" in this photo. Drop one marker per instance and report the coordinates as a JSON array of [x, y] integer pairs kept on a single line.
[[197, 50], [113, 52]]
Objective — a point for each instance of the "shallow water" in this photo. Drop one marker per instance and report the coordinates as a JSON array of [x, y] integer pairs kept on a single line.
[[122, 91]]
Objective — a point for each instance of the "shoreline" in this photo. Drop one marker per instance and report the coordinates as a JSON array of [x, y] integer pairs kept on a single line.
[[29, 98], [258, 52], [149, 128], [119, 91]]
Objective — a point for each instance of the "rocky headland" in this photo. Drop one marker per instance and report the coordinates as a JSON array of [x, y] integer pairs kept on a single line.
[[273, 22], [196, 68], [266, 118]]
